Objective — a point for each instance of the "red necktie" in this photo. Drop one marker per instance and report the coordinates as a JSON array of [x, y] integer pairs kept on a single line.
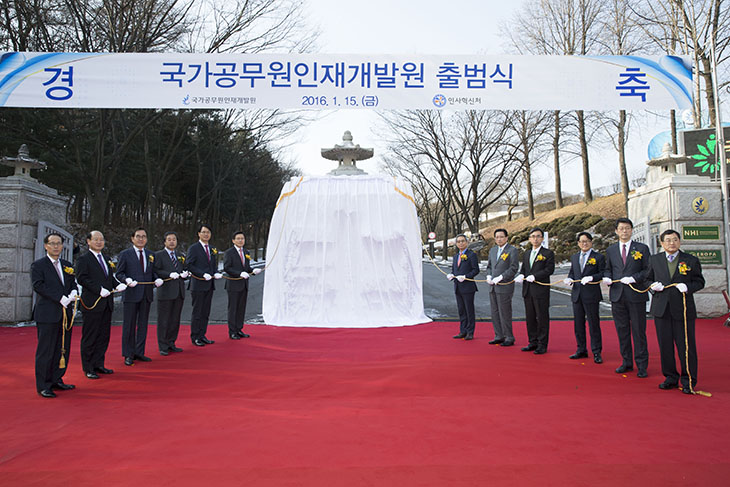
[[141, 259], [243, 260], [623, 253], [206, 252]]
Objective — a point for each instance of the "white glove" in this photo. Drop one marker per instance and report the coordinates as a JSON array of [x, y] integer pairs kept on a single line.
[[159, 282], [245, 275], [185, 274], [530, 278], [682, 287], [586, 280], [489, 280], [128, 281], [460, 278], [65, 301], [174, 275], [217, 275], [568, 281], [121, 287], [627, 280], [73, 295], [104, 293], [498, 279], [207, 276], [450, 277], [256, 271], [657, 287], [519, 278], [607, 280]]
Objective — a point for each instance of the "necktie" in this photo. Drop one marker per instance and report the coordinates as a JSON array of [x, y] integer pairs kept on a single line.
[[103, 266], [671, 257], [57, 265], [582, 260], [623, 253], [206, 252], [532, 257], [141, 259], [243, 259], [174, 260]]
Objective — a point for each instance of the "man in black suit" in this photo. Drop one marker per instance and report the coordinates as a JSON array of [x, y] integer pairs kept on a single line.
[[465, 266], [684, 271], [236, 263], [95, 273], [587, 267], [203, 265], [169, 264], [627, 261], [55, 288], [538, 264], [136, 264]]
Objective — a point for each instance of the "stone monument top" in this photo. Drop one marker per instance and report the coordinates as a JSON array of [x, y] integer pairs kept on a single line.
[[666, 165], [23, 163], [347, 154]]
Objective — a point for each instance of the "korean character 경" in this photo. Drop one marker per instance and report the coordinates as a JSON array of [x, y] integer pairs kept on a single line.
[[60, 77]]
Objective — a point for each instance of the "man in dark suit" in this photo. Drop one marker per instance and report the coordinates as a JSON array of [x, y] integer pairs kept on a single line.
[[627, 261], [95, 273], [538, 264], [169, 265], [236, 263], [587, 267], [55, 288], [503, 263], [684, 271], [203, 265], [465, 266], [136, 264]]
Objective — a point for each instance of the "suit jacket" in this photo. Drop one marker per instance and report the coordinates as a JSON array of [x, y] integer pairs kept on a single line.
[[163, 268], [233, 266], [590, 293], [542, 269], [506, 267], [198, 264], [129, 267], [92, 278], [468, 267], [50, 289], [690, 274], [637, 266]]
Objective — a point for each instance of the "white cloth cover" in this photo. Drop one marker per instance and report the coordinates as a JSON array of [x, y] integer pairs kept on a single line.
[[344, 252]]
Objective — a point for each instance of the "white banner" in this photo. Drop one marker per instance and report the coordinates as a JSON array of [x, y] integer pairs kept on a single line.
[[324, 81]]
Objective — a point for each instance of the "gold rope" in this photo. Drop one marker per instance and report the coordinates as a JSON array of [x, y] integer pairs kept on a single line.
[[289, 193], [66, 326]]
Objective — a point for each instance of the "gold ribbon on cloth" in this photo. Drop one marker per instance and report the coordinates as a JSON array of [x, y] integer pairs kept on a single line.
[[401, 192], [289, 193], [642, 291]]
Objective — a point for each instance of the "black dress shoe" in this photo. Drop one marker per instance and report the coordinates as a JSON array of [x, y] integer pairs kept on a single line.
[[60, 386], [47, 393], [469, 337], [234, 336], [540, 351], [597, 358], [641, 374], [206, 341], [103, 370], [91, 375], [624, 368], [142, 358], [686, 390], [128, 361], [578, 355], [508, 343], [668, 385], [164, 353], [529, 348], [175, 349], [199, 343], [459, 336], [496, 341], [243, 335]]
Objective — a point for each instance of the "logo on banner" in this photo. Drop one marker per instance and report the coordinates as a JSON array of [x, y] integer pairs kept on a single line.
[[439, 100]]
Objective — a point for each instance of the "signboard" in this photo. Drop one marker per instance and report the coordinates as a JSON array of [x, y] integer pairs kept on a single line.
[[326, 81], [701, 145], [432, 236], [711, 232], [707, 256]]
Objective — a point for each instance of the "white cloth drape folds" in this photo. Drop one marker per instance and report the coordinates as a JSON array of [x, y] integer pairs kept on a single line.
[[344, 251]]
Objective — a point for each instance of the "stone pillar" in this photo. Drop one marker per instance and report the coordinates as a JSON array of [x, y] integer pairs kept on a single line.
[[23, 201]]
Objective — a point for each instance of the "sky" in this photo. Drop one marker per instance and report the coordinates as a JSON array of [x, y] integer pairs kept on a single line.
[[429, 27]]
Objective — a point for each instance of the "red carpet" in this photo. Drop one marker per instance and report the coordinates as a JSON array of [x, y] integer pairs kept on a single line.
[[376, 407]]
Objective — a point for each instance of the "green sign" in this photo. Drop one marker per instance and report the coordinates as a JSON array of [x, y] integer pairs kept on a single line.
[[707, 256], [711, 232], [699, 145]]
